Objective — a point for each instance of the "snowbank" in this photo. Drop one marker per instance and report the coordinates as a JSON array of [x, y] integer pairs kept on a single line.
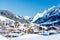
[[37, 37], [3, 38]]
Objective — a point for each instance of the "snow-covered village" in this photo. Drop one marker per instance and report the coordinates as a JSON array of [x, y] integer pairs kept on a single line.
[[42, 26]]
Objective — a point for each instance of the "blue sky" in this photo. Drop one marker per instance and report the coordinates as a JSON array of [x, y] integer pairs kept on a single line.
[[27, 7]]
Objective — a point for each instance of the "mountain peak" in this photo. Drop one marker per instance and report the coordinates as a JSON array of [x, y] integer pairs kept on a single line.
[[51, 8], [50, 17], [26, 17], [10, 15], [37, 16]]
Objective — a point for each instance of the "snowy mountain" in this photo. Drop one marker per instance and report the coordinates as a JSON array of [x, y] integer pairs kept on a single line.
[[30, 19], [2, 18], [10, 15], [26, 17], [38, 15], [50, 17]]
